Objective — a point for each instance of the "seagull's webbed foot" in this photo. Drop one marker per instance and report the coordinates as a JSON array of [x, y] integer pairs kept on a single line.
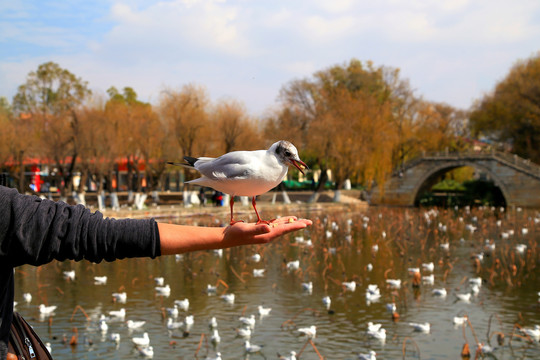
[[236, 221]]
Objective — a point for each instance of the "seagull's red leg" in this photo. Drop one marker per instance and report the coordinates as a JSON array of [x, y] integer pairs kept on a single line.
[[259, 220], [231, 203]]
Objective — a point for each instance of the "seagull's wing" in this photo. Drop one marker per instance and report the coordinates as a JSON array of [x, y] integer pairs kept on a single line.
[[233, 165]]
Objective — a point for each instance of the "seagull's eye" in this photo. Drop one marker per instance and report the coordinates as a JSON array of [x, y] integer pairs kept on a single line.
[[287, 153]]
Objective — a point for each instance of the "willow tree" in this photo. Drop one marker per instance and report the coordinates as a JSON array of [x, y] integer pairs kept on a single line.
[[511, 112], [50, 99]]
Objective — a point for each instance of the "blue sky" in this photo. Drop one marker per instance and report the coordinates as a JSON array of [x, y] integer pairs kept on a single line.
[[451, 51]]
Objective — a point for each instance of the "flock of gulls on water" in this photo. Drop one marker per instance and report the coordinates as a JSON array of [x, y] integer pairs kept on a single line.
[[508, 265]]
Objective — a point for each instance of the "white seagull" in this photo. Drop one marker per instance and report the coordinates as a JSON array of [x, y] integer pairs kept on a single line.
[[118, 313], [248, 321], [27, 297], [163, 290], [120, 297], [135, 324], [100, 280], [146, 351], [421, 327], [370, 356], [327, 301], [246, 173], [171, 324], [182, 304], [46, 310], [69, 275], [309, 332], [141, 341], [264, 311], [350, 286]]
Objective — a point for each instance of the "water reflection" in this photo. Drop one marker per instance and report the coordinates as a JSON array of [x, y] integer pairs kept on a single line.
[[384, 266]]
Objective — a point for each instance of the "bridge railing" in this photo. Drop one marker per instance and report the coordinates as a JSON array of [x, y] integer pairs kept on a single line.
[[509, 159]]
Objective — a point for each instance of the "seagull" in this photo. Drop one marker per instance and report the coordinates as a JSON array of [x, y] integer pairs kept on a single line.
[[182, 304], [189, 320], [309, 332], [147, 351], [248, 321], [212, 324], [228, 298], [264, 311], [118, 313], [244, 333], [293, 265], [428, 266], [46, 310], [160, 281], [370, 356], [163, 290], [100, 280], [394, 283], [251, 349], [465, 297], [171, 324], [308, 287], [173, 311], [115, 337], [371, 327], [350, 286], [460, 320], [391, 307], [215, 338], [258, 272], [292, 356], [103, 324], [326, 302], [421, 327], [534, 333], [27, 297], [378, 334], [141, 341], [120, 297], [428, 279], [246, 173], [218, 357], [135, 324], [439, 292], [69, 275]]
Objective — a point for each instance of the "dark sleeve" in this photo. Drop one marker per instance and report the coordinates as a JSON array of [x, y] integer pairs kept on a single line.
[[36, 231]]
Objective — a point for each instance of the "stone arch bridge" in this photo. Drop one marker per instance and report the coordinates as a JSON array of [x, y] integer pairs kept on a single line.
[[517, 178]]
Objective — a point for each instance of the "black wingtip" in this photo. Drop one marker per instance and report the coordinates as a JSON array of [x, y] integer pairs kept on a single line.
[[190, 160]]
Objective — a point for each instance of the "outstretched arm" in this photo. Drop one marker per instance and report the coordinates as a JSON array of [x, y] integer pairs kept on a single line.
[[176, 239]]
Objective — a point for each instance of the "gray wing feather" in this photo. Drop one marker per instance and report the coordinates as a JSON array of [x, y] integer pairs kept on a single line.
[[230, 166]]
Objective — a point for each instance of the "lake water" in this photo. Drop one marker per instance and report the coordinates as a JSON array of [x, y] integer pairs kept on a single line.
[[341, 250]]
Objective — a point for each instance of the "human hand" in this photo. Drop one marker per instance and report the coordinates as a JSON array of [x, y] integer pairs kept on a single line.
[[242, 233]]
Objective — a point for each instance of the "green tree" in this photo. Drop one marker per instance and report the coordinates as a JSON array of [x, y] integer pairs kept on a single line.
[[511, 112], [51, 98]]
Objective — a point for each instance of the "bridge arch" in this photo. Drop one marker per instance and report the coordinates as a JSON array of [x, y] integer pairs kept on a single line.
[[429, 177], [517, 179]]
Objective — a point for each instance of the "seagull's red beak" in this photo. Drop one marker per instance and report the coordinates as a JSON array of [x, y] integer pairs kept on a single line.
[[296, 165]]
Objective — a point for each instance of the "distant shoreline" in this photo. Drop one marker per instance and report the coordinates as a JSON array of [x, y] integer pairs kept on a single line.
[[264, 204]]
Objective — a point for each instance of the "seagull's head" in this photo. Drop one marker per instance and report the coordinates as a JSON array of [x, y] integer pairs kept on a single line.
[[287, 153]]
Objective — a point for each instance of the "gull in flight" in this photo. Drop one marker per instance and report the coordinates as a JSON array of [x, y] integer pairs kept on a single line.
[[246, 173]]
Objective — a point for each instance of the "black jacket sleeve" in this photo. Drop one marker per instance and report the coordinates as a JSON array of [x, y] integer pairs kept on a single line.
[[36, 231]]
